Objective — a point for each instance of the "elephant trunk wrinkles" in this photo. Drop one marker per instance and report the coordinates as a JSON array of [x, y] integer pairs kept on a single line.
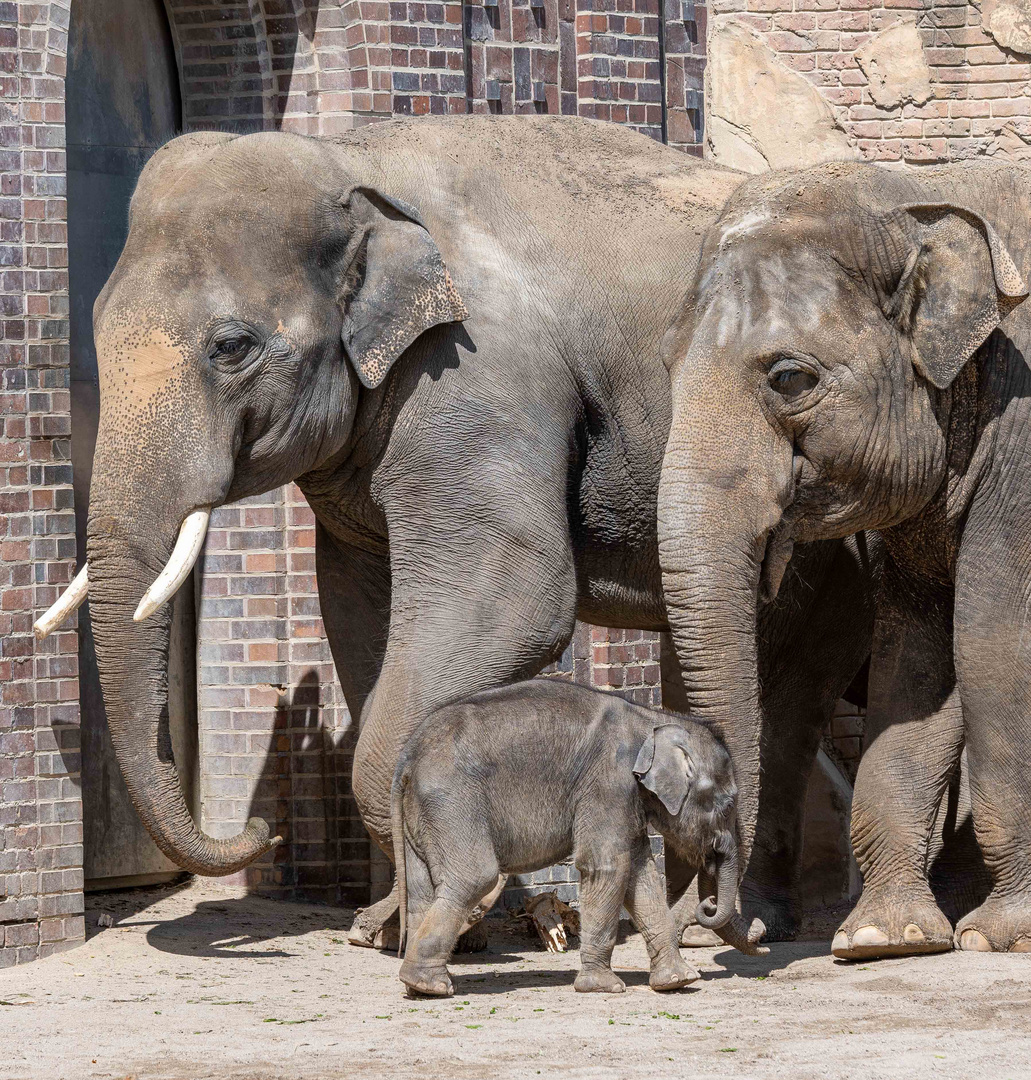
[[133, 662], [721, 497], [715, 916]]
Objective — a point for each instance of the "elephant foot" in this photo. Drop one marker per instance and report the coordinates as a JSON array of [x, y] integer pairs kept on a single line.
[[893, 923], [426, 980], [370, 930], [598, 981], [1000, 924], [673, 976], [474, 940]]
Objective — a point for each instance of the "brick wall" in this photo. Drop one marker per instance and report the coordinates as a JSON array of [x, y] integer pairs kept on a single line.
[[276, 737], [979, 100], [40, 810]]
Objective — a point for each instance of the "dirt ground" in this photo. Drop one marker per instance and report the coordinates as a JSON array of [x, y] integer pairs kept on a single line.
[[203, 981]]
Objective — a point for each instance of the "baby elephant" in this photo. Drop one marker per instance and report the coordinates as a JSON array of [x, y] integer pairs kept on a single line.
[[513, 780]]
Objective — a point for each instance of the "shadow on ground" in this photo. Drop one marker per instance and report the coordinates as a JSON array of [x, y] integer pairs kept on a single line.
[[229, 927], [782, 954]]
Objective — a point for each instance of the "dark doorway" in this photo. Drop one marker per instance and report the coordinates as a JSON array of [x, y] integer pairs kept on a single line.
[[122, 102]]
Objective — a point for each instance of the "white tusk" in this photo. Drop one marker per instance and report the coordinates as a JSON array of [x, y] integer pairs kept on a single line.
[[70, 600], [179, 565]]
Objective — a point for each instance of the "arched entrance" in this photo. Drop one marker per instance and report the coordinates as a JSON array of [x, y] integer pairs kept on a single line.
[[122, 101]]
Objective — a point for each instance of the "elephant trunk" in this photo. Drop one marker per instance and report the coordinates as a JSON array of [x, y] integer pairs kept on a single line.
[[721, 499], [734, 930], [132, 657], [714, 912]]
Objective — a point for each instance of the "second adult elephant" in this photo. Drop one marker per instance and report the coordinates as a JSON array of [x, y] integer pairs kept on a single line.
[[863, 339], [449, 333]]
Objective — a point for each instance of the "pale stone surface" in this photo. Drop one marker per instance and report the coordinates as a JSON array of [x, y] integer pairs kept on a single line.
[[893, 62], [1011, 144], [1009, 22], [759, 113]]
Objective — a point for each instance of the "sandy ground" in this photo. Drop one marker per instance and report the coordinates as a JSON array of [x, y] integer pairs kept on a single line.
[[206, 982]]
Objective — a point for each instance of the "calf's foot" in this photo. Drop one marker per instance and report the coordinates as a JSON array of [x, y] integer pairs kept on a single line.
[[1000, 924], [474, 940], [428, 980], [672, 975], [896, 921], [598, 981]]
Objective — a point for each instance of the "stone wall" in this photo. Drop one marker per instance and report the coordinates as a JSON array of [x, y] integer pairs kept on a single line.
[[907, 81]]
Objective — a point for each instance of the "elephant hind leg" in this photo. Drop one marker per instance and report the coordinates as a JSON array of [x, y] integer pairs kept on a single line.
[[424, 970]]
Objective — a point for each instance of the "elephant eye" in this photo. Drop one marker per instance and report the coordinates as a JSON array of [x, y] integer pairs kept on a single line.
[[790, 379], [232, 348]]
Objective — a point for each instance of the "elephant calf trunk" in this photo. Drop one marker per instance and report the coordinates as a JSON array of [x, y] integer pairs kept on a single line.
[[719, 912]]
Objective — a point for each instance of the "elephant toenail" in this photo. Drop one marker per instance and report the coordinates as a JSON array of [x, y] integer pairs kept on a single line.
[[1021, 945], [913, 935], [974, 941], [867, 936], [840, 943]]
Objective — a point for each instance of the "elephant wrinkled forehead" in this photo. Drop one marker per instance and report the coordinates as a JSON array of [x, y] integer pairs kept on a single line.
[[763, 288], [267, 191]]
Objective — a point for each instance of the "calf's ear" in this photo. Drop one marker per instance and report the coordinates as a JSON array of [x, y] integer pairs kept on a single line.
[[393, 282], [954, 282], [664, 766]]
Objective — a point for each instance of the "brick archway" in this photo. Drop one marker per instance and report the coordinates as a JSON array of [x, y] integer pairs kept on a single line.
[[245, 67]]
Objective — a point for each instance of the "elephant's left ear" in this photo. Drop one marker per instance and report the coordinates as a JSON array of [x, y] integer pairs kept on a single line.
[[396, 285], [955, 283], [664, 766]]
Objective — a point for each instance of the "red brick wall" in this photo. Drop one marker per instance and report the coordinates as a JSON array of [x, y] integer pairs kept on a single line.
[[40, 810]]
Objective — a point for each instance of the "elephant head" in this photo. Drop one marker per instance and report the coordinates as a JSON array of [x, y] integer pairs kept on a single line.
[[261, 288], [690, 777], [834, 312]]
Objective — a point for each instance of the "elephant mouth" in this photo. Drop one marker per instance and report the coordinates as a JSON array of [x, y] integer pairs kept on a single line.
[[779, 546]]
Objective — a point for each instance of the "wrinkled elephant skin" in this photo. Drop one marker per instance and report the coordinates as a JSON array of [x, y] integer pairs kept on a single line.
[[450, 335], [862, 335]]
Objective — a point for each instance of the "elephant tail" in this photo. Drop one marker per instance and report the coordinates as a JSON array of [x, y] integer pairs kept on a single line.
[[397, 825]]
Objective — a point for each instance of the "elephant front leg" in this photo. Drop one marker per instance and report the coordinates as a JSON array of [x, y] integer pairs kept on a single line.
[[354, 596], [993, 658], [603, 885], [914, 740], [479, 598], [652, 916]]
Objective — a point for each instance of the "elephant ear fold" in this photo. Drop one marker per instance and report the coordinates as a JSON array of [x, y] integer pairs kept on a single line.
[[955, 282], [664, 767], [395, 285]]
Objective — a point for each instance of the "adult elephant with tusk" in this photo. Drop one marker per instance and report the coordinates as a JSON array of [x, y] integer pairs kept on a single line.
[[449, 333]]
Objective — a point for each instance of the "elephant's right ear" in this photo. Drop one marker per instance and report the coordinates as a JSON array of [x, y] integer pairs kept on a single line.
[[395, 285], [664, 767], [954, 282]]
